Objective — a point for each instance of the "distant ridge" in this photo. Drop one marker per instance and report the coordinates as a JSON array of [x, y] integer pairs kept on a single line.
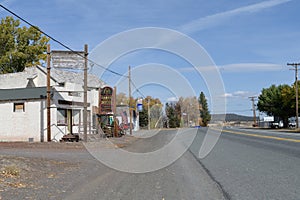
[[230, 117]]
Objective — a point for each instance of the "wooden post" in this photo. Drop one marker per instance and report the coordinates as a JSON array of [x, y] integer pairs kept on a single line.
[[114, 104], [129, 103], [48, 95], [296, 90], [85, 94], [149, 122]]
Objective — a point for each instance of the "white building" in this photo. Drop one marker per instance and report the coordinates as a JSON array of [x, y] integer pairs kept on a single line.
[[23, 104]]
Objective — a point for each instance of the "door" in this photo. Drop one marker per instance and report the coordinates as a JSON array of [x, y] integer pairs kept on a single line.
[[69, 121]]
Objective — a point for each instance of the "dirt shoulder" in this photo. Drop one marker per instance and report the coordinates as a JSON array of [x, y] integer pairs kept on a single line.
[[33, 170]]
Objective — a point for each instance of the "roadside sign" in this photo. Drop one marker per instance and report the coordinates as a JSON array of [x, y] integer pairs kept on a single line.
[[268, 119], [106, 100]]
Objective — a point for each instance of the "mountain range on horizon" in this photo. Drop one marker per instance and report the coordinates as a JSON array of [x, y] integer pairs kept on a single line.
[[230, 117]]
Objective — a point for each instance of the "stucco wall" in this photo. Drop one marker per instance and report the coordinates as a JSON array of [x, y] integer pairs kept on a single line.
[[32, 123], [22, 126]]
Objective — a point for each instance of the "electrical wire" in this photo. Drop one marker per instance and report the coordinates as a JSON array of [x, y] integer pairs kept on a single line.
[[60, 43], [133, 84]]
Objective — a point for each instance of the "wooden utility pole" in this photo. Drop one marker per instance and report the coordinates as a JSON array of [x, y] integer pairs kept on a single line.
[[295, 65], [254, 110], [85, 94], [129, 103], [114, 109], [149, 122], [48, 95]]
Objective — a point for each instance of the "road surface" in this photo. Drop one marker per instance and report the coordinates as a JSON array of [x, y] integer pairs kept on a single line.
[[244, 164], [255, 164], [70, 172]]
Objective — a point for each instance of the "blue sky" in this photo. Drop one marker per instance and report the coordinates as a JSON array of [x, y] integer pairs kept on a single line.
[[250, 41]]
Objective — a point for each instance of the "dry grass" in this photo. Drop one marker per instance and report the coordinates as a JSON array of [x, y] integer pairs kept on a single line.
[[11, 171]]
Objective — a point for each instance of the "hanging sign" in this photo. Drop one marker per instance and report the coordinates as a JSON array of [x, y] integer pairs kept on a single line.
[[67, 59], [106, 100]]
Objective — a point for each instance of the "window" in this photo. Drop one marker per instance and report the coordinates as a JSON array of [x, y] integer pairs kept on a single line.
[[76, 117], [61, 116], [68, 116], [19, 107], [75, 94]]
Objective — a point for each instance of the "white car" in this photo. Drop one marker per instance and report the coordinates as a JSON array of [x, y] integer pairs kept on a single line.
[[277, 124]]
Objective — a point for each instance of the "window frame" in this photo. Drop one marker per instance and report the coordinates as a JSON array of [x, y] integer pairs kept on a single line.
[[18, 110]]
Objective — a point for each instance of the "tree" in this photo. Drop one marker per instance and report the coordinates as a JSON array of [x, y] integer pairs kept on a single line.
[[173, 112], [190, 110], [143, 119], [121, 99], [204, 112], [154, 104], [277, 101], [20, 47], [178, 114]]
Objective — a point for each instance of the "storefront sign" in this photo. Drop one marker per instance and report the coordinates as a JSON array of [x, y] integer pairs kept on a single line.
[[106, 95]]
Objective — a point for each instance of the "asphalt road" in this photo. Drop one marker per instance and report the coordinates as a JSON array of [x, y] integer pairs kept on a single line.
[[244, 164], [63, 172], [185, 179], [254, 164]]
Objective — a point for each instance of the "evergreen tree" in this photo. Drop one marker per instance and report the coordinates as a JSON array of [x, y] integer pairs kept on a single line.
[[143, 118], [204, 112], [173, 112]]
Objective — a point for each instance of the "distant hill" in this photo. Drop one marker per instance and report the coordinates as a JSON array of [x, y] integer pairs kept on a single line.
[[231, 117]]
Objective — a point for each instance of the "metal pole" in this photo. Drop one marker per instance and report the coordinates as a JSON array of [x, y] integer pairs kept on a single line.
[[48, 96], [296, 88], [129, 103], [85, 94]]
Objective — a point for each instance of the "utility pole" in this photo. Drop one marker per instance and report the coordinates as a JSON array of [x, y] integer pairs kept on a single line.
[[116, 134], [253, 108], [295, 65], [149, 122], [85, 94], [129, 103], [48, 95]]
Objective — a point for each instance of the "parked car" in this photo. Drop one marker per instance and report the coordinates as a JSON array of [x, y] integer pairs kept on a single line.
[[277, 124], [292, 124]]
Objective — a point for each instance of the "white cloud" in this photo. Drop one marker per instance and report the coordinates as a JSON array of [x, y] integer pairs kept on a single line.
[[239, 67], [228, 95], [240, 94], [201, 69], [215, 19], [172, 99], [251, 67]]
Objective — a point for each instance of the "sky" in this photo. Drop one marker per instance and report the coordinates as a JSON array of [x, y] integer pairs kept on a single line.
[[250, 42]]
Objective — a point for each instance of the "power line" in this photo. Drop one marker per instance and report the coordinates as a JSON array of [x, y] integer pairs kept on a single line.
[[133, 84], [60, 43]]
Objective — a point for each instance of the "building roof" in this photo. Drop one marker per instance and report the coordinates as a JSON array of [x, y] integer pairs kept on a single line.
[[23, 93], [63, 76], [57, 75]]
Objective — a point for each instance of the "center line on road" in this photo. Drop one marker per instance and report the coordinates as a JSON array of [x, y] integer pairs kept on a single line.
[[260, 136]]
